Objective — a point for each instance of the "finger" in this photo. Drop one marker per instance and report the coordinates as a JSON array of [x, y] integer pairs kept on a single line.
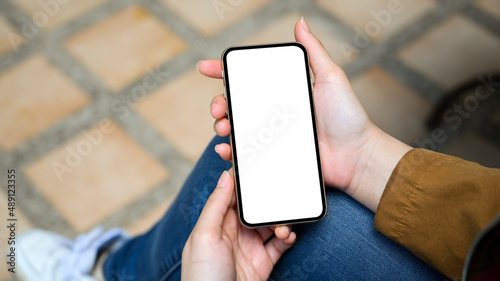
[[233, 198], [210, 68], [212, 215], [265, 233], [277, 247], [233, 201], [224, 151], [222, 127], [283, 231], [218, 107], [321, 62]]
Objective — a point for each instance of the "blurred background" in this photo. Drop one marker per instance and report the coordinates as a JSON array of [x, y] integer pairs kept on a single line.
[[103, 114]]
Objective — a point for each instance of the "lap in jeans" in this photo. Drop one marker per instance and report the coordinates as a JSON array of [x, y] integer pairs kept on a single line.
[[346, 246], [343, 246]]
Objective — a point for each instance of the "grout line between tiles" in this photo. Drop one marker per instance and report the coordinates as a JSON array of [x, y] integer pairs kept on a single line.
[[53, 137], [482, 18], [406, 75], [169, 18], [42, 214]]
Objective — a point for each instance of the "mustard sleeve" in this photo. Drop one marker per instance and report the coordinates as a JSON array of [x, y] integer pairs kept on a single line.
[[434, 205]]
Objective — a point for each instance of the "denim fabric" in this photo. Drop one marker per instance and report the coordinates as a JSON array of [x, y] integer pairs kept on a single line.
[[343, 246]]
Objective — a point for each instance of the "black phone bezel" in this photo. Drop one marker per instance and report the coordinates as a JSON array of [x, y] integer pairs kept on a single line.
[[233, 142]]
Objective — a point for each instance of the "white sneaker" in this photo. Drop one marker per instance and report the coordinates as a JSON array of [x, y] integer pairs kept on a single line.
[[46, 256]]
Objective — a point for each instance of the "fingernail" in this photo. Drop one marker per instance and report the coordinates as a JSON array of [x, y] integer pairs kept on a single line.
[[212, 105], [304, 24], [285, 229], [217, 147], [223, 179], [197, 68]]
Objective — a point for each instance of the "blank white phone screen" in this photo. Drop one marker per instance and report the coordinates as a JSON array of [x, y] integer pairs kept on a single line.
[[278, 171]]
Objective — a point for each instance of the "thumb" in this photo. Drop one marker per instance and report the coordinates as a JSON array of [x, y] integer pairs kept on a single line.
[[217, 204], [277, 247], [322, 64]]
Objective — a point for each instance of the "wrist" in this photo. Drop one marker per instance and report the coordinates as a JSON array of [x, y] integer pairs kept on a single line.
[[380, 155]]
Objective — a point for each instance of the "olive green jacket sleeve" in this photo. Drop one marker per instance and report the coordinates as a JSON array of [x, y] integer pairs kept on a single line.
[[435, 204]]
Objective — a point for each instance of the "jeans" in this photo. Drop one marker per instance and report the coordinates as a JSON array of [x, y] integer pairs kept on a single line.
[[342, 246]]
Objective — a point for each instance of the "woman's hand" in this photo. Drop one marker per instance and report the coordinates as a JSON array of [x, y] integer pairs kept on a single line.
[[220, 248], [357, 157]]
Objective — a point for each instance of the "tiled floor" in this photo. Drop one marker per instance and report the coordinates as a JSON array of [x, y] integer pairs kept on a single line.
[[9, 33], [404, 110], [103, 113], [56, 13], [103, 162], [186, 106], [210, 17], [48, 97], [121, 48], [378, 19], [462, 47]]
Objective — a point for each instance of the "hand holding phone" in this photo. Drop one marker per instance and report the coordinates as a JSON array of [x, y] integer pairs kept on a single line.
[[357, 157], [275, 154], [233, 251]]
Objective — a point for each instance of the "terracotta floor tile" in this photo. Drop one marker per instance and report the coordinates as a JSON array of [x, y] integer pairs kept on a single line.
[[10, 38], [33, 96], [51, 13], [95, 174], [377, 19], [392, 106], [180, 111], [490, 6], [210, 17], [454, 52], [22, 224], [473, 148], [145, 223], [281, 30], [123, 47]]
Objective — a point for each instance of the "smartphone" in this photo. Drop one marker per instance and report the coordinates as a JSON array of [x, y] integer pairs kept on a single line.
[[274, 141]]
